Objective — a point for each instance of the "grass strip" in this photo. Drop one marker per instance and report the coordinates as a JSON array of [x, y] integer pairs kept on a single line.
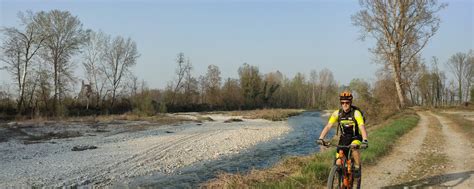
[[312, 171]]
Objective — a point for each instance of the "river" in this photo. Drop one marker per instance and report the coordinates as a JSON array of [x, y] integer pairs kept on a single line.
[[299, 141]]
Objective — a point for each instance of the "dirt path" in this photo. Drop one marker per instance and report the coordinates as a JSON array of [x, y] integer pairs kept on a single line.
[[461, 153], [405, 150], [431, 155]]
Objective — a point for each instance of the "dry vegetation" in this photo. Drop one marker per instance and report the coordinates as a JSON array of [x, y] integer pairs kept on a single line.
[[268, 114], [285, 169]]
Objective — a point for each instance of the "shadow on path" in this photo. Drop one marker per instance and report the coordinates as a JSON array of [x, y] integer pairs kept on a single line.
[[445, 180]]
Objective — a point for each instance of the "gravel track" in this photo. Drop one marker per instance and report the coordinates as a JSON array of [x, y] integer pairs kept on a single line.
[[457, 172], [398, 161]]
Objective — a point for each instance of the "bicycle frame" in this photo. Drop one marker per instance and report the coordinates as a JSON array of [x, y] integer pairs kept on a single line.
[[346, 166], [346, 177]]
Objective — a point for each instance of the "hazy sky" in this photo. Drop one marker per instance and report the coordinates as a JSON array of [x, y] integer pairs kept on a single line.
[[286, 35]]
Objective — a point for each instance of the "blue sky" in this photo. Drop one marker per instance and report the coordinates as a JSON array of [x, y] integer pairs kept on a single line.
[[290, 36]]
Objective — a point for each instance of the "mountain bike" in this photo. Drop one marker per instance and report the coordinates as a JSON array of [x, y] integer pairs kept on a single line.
[[342, 176]]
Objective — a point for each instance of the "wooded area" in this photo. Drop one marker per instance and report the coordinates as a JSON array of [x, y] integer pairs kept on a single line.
[[39, 54]]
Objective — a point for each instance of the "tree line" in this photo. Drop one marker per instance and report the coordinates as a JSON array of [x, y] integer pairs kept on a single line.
[[40, 54], [43, 52]]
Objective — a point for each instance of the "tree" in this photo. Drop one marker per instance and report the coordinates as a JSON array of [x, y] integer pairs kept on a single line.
[[461, 69], [271, 83], [401, 30], [65, 37], [213, 80], [384, 90], [470, 73], [328, 89], [191, 87], [232, 95], [183, 68], [250, 81], [313, 80], [120, 55], [363, 97], [411, 74], [19, 49], [93, 64], [299, 92]]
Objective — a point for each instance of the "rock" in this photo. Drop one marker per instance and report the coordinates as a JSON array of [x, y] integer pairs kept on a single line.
[[83, 147], [169, 132]]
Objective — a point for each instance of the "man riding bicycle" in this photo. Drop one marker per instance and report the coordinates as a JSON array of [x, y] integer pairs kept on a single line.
[[351, 124]]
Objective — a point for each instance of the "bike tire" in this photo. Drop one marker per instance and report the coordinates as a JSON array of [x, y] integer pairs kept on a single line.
[[334, 179], [357, 181]]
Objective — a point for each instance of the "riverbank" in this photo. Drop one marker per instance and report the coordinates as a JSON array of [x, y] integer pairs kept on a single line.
[[104, 153]]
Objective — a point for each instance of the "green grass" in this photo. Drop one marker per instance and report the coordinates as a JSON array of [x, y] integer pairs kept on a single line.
[[312, 172]]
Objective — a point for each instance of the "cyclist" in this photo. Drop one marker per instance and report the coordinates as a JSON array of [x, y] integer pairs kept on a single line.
[[351, 125]]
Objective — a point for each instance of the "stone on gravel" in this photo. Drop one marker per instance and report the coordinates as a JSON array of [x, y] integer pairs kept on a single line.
[[83, 147]]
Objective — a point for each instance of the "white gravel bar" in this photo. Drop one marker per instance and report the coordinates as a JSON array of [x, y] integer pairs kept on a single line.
[[121, 155]]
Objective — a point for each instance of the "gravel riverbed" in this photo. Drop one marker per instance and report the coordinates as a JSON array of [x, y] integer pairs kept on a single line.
[[123, 154]]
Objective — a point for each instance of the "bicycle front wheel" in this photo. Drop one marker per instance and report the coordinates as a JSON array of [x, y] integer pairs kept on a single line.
[[335, 178]]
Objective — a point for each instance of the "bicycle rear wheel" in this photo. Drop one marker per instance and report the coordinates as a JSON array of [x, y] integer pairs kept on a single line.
[[335, 178], [358, 180]]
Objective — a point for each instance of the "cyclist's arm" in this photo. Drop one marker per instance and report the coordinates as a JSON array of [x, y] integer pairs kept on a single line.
[[332, 120], [363, 132], [360, 121]]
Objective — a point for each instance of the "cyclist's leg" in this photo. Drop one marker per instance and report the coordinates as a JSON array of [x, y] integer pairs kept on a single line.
[[356, 156], [343, 140], [338, 160]]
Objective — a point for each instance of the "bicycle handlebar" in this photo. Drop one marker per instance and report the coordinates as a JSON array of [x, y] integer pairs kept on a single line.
[[329, 144]]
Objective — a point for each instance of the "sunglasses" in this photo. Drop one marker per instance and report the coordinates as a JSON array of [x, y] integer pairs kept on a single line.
[[345, 103]]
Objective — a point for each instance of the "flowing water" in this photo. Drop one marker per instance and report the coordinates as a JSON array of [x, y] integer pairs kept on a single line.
[[306, 128]]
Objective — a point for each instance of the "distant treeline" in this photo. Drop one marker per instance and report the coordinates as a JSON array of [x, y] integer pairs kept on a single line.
[[38, 57]]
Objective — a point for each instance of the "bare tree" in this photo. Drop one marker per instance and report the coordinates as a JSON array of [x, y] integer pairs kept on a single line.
[[202, 89], [401, 28], [313, 80], [65, 37], [19, 49], [271, 83], [469, 74], [190, 85], [184, 67], [213, 85], [250, 81], [231, 94], [461, 69], [328, 89], [120, 55], [299, 92], [93, 62], [410, 74]]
